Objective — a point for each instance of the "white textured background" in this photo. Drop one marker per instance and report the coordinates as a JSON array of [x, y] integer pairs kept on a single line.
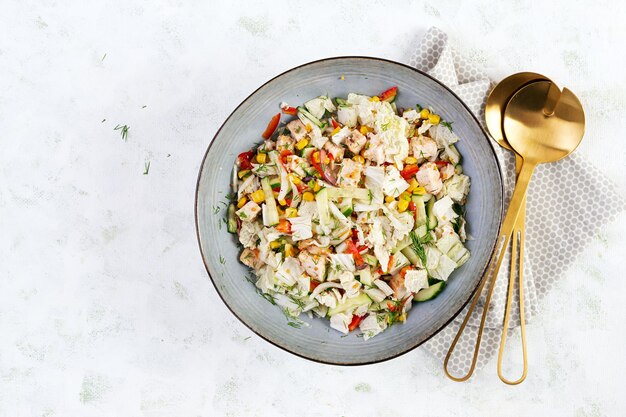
[[105, 307]]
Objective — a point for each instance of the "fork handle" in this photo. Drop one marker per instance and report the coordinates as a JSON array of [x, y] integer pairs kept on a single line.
[[518, 234]]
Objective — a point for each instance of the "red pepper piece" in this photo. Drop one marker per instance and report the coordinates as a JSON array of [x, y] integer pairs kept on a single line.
[[292, 111], [284, 154], [313, 285], [409, 171], [441, 163], [355, 322], [389, 95], [284, 226], [334, 123], [358, 259], [271, 126], [244, 159]]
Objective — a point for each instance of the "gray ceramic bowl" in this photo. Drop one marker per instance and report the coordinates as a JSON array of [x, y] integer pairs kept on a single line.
[[243, 128]]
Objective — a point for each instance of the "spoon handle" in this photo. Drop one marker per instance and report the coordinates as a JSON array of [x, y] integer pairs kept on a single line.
[[502, 243]]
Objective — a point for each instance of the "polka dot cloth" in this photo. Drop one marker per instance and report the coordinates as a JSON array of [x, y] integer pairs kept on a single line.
[[554, 210]]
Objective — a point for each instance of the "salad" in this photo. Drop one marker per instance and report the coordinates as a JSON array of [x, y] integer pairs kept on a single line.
[[352, 210]]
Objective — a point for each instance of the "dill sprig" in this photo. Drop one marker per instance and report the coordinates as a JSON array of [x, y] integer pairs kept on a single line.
[[123, 130], [222, 260], [418, 248], [146, 168], [448, 125]]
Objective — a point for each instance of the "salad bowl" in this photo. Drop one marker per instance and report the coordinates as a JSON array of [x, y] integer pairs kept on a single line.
[[312, 338]]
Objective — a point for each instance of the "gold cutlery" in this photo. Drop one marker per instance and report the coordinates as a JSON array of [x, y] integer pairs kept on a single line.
[[542, 124], [494, 111]]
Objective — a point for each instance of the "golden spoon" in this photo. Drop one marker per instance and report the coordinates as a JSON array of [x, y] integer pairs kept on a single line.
[[494, 111], [542, 124]]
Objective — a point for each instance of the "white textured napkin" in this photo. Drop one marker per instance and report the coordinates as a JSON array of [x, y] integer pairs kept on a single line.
[[554, 210]]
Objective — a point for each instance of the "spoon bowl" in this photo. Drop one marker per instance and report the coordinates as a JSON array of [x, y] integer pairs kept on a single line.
[[537, 136], [498, 99]]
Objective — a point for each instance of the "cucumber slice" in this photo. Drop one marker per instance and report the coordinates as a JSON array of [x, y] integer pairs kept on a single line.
[[430, 292], [275, 182], [232, 221], [411, 256], [304, 112], [432, 220], [322, 207], [350, 303], [421, 231], [402, 244], [346, 207], [341, 102], [306, 152], [420, 210], [270, 213]]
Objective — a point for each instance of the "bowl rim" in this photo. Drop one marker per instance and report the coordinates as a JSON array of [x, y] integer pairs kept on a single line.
[[471, 293]]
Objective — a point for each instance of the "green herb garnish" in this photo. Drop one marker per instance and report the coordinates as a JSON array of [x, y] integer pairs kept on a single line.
[[123, 130], [146, 168], [222, 260], [418, 248], [448, 125]]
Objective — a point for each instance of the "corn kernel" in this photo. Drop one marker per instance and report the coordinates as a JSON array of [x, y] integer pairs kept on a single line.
[[243, 173], [364, 130], [375, 98], [405, 196], [258, 196], [295, 179], [424, 114], [308, 196], [302, 144], [289, 250], [410, 160], [412, 185], [419, 190], [291, 212], [434, 119], [335, 131], [282, 202], [242, 202], [402, 317], [316, 157], [389, 199], [275, 244], [308, 128], [317, 186], [261, 158], [403, 205], [359, 159], [342, 78]]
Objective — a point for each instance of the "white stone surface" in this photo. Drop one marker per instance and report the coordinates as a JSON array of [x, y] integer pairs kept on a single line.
[[105, 307]]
